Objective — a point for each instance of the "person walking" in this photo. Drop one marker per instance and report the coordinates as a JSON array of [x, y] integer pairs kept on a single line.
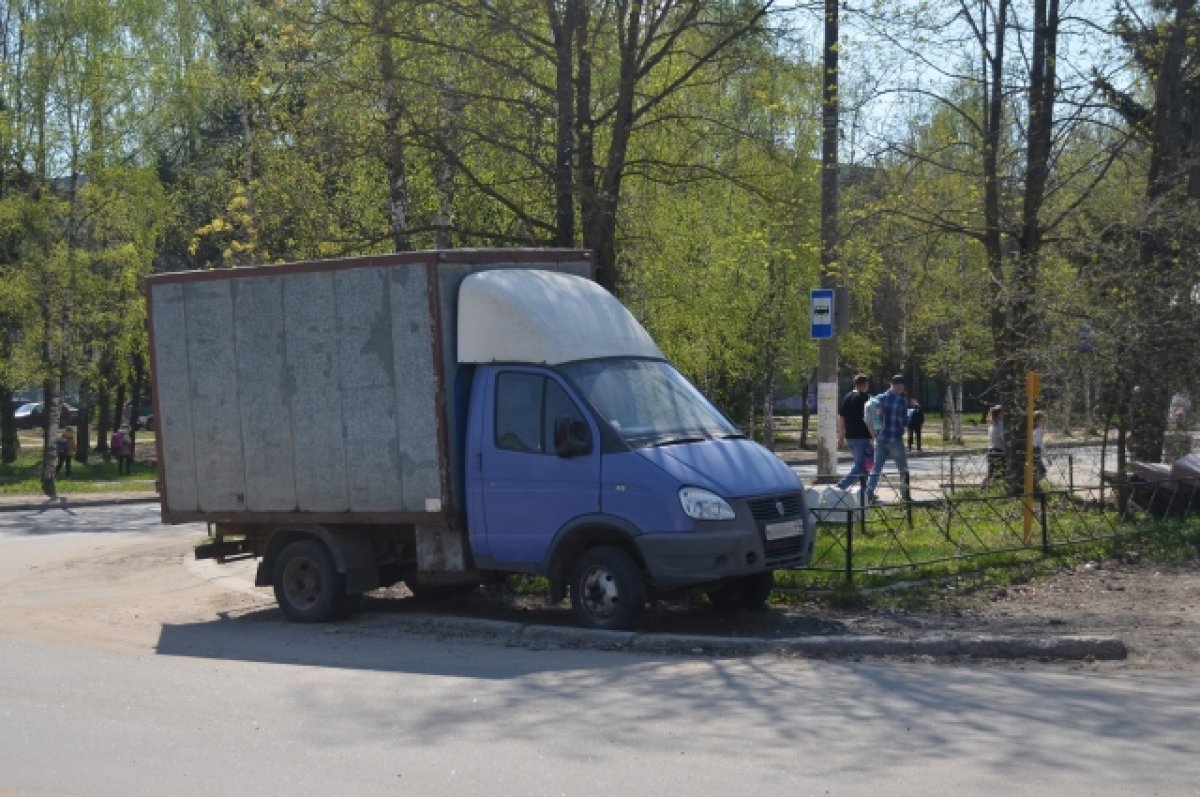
[[995, 452], [852, 429], [1039, 437], [62, 448], [916, 419], [889, 441], [122, 448]]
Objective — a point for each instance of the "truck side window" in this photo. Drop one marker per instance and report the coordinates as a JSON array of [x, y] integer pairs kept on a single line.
[[519, 412], [558, 405], [527, 408]]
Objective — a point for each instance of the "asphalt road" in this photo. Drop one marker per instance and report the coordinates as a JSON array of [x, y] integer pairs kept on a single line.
[[125, 671]]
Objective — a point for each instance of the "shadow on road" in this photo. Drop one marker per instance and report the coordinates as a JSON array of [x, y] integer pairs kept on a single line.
[[410, 635]]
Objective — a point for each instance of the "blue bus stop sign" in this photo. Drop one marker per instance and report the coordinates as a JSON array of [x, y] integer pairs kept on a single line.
[[820, 304]]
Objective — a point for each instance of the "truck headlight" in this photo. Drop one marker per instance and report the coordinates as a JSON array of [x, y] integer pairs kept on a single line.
[[704, 504]]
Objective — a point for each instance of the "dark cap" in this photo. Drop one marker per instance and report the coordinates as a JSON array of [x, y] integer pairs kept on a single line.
[[898, 379]]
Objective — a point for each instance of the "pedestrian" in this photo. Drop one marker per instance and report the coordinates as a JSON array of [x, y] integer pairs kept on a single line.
[[1039, 436], [852, 429], [62, 449], [916, 419], [121, 447], [889, 441], [995, 452]]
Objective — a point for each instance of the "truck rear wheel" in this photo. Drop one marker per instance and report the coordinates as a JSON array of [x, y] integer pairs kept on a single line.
[[308, 586], [607, 590], [743, 592]]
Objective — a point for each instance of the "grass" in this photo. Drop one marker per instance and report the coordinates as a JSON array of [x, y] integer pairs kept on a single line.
[[23, 476]]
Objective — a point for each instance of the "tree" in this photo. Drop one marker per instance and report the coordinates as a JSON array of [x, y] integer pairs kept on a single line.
[[1159, 356], [720, 256], [1022, 104]]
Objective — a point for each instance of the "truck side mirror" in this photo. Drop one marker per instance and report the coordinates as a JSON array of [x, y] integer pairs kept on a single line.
[[572, 437]]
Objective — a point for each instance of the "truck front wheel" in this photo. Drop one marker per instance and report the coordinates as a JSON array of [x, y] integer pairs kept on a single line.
[[743, 592], [308, 586], [607, 590]]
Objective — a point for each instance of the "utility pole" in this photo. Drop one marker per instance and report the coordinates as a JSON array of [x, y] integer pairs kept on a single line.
[[827, 357]]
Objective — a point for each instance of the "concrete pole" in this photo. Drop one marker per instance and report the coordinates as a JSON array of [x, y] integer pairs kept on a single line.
[[827, 360]]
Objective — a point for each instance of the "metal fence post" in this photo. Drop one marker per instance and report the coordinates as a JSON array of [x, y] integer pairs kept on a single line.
[[952, 473], [907, 498], [850, 545], [1071, 473]]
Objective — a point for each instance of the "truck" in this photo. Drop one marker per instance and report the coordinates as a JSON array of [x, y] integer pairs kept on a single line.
[[448, 419]]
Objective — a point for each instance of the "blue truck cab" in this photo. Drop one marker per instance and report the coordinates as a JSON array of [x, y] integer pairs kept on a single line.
[[590, 460]]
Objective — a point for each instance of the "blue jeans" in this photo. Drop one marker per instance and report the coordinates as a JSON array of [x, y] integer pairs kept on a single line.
[[858, 448], [885, 450]]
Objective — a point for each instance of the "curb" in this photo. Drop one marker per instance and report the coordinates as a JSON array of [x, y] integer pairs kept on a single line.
[[1060, 648], [35, 504]]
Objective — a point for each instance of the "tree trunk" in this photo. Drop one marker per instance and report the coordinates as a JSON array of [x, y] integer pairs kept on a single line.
[[445, 169], [564, 28], [51, 406], [83, 438], [394, 156], [9, 443]]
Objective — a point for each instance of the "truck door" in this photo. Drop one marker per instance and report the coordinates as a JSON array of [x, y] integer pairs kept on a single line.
[[533, 484]]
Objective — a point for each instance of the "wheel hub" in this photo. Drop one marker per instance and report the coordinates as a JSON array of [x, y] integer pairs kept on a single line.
[[302, 582], [600, 595]]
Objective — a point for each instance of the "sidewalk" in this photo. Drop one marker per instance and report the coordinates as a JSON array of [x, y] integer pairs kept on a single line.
[[67, 498]]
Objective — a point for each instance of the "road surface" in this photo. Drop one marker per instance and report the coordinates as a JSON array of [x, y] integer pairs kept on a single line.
[[129, 670]]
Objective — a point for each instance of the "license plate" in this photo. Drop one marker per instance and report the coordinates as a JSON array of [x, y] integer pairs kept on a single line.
[[779, 531]]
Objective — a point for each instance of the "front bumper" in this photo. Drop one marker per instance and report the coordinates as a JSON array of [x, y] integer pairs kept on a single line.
[[718, 550]]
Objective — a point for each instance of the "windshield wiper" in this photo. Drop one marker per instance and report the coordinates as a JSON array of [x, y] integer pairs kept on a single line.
[[676, 441]]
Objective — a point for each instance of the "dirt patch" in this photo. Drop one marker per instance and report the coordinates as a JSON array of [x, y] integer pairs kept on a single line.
[[120, 590]]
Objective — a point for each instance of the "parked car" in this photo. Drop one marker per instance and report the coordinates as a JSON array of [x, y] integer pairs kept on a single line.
[[146, 421], [28, 416], [32, 415]]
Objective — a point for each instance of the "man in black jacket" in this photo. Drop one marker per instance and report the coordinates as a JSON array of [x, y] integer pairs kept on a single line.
[[852, 429], [916, 419]]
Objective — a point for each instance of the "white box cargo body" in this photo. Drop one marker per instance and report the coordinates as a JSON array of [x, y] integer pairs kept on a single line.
[[321, 392]]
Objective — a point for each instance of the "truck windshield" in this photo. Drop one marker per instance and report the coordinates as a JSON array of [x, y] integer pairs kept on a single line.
[[648, 402]]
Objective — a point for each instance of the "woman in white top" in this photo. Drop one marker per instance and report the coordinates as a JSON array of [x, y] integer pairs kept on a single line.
[[1039, 434], [995, 454]]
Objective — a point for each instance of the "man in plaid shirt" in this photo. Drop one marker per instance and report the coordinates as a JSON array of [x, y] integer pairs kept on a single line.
[[889, 443]]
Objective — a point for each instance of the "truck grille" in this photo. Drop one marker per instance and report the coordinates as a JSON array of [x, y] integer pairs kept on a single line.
[[774, 509]]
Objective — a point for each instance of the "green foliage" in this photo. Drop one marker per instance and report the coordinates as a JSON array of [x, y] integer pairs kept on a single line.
[[216, 134], [719, 269]]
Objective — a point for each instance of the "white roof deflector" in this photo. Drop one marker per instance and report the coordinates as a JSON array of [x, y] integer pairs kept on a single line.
[[545, 317]]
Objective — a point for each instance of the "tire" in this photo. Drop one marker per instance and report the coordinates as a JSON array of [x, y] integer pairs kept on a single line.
[[607, 591], [744, 592], [308, 586]]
